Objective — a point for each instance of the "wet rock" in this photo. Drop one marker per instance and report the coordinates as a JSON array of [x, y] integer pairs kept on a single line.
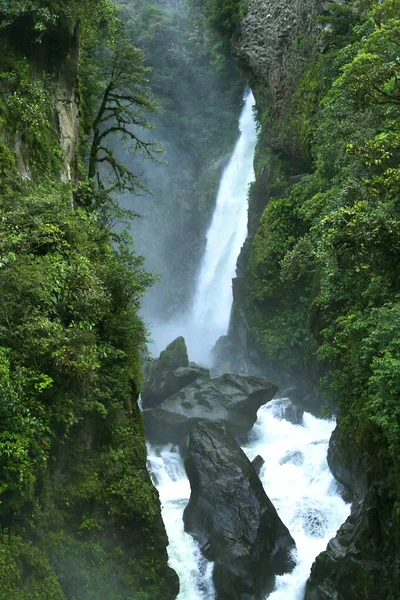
[[357, 564], [232, 518], [266, 46], [350, 567], [163, 426], [340, 464], [233, 399], [293, 414], [287, 410], [169, 373], [258, 463], [304, 397]]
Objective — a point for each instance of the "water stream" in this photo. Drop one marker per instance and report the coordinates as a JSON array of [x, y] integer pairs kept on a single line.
[[299, 483], [208, 317], [295, 475]]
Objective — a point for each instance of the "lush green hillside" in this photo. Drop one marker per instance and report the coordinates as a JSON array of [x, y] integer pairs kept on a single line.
[[321, 283], [323, 265], [79, 516]]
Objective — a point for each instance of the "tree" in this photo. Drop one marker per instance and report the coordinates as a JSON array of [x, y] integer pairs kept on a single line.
[[122, 113], [373, 77]]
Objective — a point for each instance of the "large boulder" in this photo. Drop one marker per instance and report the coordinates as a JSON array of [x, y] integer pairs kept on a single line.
[[358, 564], [347, 467], [169, 373], [352, 568], [233, 399], [232, 518]]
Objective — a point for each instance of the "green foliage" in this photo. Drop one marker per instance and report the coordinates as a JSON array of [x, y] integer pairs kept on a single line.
[[226, 15], [25, 572], [72, 449], [280, 325], [174, 356], [44, 15], [28, 109], [8, 173], [79, 516], [122, 113], [62, 286], [325, 258]]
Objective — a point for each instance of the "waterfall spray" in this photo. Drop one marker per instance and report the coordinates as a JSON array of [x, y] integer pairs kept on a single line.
[[208, 317]]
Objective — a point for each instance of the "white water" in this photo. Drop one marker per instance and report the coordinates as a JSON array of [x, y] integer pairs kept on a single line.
[[299, 483], [295, 475], [209, 315], [166, 467], [296, 478]]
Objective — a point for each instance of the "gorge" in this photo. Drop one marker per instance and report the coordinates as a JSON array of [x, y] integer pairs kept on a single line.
[[89, 208], [296, 471]]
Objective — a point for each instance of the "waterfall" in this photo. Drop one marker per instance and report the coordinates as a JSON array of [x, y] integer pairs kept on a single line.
[[168, 472], [208, 317], [295, 476], [212, 303]]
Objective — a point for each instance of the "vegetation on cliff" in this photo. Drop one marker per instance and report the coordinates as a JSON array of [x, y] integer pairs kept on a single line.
[[321, 274], [79, 516]]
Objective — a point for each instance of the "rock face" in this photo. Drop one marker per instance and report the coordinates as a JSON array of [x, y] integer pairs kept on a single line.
[[356, 564], [232, 518], [270, 42], [162, 380], [234, 399], [258, 463], [345, 466], [289, 411]]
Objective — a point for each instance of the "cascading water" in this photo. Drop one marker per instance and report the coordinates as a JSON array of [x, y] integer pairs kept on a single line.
[[295, 475], [299, 483], [209, 315], [166, 467], [213, 299], [296, 478], [207, 320]]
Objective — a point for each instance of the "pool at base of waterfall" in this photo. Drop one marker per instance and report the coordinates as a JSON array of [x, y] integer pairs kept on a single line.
[[297, 480]]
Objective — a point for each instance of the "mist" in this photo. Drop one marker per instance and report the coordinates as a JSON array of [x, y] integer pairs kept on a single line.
[[200, 95]]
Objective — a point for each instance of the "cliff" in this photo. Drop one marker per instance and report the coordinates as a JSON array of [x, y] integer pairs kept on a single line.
[[79, 515], [305, 303], [274, 44]]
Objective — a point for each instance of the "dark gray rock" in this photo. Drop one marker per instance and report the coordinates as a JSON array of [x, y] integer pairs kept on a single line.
[[165, 385], [344, 466], [258, 463], [163, 426], [168, 374], [305, 398], [232, 518], [233, 399], [350, 568], [357, 564], [293, 414], [287, 410]]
